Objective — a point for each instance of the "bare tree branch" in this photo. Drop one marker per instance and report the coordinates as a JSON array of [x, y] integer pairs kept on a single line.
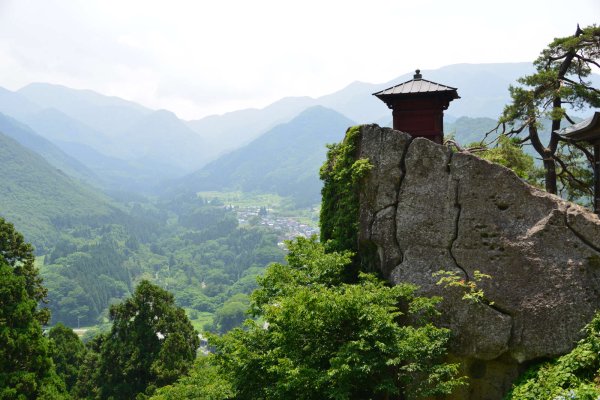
[[569, 119], [587, 60], [580, 84]]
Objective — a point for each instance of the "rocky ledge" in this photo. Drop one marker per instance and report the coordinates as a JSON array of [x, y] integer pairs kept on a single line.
[[424, 208]]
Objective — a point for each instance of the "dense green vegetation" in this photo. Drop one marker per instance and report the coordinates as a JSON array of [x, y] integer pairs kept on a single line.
[[151, 344], [67, 352], [26, 367], [572, 376], [321, 338], [189, 245], [41, 200], [342, 174]]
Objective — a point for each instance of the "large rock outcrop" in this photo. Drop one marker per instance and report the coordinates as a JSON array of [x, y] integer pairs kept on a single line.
[[424, 208]]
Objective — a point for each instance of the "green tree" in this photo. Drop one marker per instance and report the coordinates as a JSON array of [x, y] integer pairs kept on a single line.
[[558, 86], [26, 368], [88, 378], [205, 382], [68, 353], [325, 339], [231, 314], [151, 344], [509, 153]]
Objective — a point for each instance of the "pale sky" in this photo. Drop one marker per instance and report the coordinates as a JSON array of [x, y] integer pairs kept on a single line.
[[204, 57]]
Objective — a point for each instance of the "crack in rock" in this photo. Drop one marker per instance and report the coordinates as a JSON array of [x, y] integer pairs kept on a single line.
[[581, 237]]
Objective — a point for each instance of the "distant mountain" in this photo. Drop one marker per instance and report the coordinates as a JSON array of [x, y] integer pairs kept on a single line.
[[163, 139], [285, 160], [57, 126], [51, 153], [483, 89], [150, 145], [234, 129], [468, 130], [146, 146], [107, 114], [40, 199], [15, 105]]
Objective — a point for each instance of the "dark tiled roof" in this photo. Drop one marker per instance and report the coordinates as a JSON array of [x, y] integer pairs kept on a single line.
[[418, 85], [588, 129]]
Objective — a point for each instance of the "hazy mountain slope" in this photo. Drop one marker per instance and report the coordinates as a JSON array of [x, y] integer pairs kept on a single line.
[[117, 173], [235, 129], [51, 153], [161, 138], [39, 199], [106, 114], [285, 160], [150, 145], [15, 105], [57, 126], [468, 130]]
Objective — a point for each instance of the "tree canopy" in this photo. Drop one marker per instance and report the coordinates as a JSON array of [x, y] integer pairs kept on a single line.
[[68, 352], [321, 338], [151, 344], [559, 86], [26, 368]]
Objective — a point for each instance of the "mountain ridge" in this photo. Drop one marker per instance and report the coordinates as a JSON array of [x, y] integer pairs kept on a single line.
[[40, 199], [284, 160]]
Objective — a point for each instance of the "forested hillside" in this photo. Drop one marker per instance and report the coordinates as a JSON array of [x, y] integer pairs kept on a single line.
[[94, 250], [285, 160], [41, 200], [51, 153], [192, 247]]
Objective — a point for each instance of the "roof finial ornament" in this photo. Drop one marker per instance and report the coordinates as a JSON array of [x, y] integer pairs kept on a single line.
[[417, 75]]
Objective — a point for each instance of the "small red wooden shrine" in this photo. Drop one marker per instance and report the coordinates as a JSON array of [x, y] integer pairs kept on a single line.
[[418, 106]]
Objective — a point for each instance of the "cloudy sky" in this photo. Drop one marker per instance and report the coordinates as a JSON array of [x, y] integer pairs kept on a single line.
[[203, 57]]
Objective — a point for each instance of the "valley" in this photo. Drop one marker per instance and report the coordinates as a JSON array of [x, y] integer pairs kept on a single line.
[[110, 192], [216, 224]]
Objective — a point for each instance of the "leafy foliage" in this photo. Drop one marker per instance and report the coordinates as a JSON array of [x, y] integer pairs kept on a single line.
[[26, 368], [572, 376], [342, 174], [509, 153], [325, 339], [151, 343], [472, 292], [68, 352], [204, 382]]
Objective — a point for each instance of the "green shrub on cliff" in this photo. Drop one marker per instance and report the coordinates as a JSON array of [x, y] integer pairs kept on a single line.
[[510, 154], [573, 376], [342, 174]]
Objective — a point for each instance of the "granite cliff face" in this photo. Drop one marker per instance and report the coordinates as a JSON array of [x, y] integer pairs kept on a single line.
[[425, 209]]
